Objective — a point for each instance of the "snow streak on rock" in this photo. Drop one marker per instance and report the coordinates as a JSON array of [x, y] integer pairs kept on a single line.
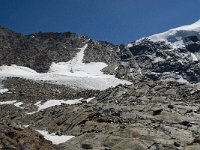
[[14, 102], [55, 139], [52, 103], [8, 102], [3, 91]]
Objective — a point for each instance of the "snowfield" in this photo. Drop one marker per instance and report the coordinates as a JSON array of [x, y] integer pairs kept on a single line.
[[3, 91], [175, 37], [14, 102], [55, 139], [52, 103], [73, 73], [8, 102]]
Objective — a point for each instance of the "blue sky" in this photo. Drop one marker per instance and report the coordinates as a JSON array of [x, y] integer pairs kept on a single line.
[[116, 21]]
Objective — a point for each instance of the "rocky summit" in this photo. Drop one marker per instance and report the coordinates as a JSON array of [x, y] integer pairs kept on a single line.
[[63, 91]]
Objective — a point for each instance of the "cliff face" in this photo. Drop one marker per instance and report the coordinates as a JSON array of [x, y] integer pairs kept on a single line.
[[141, 95]]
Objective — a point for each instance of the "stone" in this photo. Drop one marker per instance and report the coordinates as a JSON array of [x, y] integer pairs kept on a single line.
[[172, 117], [192, 147], [133, 144]]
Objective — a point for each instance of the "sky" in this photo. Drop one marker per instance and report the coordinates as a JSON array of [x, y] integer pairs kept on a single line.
[[116, 21]]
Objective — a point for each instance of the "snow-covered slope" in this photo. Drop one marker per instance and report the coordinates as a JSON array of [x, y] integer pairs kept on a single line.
[[73, 73], [77, 68], [176, 37]]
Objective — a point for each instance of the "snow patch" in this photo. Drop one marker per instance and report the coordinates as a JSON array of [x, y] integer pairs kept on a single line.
[[18, 104], [3, 91], [89, 99], [14, 102], [140, 71], [73, 73], [129, 45], [17, 71], [51, 103], [55, 139], [194, 58], [26, 126], [158, 59], [8, 102], [77, 68], [182, 80]]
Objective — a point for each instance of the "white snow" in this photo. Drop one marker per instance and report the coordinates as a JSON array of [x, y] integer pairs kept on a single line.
[[130, 45], [140, 71], [158, 59], [193, 27], [3, 91], [154, 72], [18, 104], [30, 113], [17, 71], [51, 103], [26, 126], [14, 102], [175, 36], [73, 73], [182, 80], [89, 99], [8, 102], [55, 139], [77, 68], [194, 58]]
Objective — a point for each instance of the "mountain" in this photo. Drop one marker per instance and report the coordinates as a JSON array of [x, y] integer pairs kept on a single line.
[[67, 91], [179, 37], [171, 55]]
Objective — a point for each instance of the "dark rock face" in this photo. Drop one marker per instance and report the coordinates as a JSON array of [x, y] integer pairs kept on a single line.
[[193, 46], [191, 39], [146, 47], [160, 61], [23, 139]]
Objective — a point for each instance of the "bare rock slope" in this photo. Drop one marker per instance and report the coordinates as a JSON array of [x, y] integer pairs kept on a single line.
[[159, 110]]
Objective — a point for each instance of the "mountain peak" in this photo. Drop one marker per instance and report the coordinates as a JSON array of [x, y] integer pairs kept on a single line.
[[177, 37], [192, 27]]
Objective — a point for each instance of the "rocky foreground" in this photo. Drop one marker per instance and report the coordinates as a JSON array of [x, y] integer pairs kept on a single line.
[[18, 138], [145, 115]]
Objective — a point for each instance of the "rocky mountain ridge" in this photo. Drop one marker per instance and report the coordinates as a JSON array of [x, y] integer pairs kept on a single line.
[[159, 110]]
